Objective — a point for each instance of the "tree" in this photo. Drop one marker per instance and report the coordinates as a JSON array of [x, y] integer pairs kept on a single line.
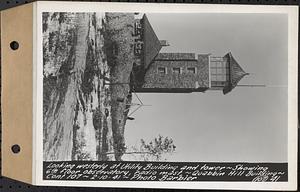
[[155, 150]]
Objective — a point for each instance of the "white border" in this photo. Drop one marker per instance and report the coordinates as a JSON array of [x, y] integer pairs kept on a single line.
[[34, 100], [291, 11]]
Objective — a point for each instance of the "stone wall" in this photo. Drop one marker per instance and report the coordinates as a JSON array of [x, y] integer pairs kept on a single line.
[[173, 82]]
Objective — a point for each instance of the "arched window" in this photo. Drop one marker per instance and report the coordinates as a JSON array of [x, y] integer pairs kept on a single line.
[[219, 71]]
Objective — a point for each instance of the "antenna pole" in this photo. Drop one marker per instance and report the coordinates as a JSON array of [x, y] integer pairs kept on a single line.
[[251, 85]]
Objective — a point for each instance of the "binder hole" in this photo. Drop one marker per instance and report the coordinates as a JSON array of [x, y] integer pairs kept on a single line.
[[16, 148], [14, 45]]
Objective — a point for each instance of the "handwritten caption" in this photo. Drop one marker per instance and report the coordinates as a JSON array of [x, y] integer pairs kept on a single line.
[[165, 171]]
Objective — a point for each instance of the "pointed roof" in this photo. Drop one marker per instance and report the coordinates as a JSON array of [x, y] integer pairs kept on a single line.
[[152, 45], [236, 73]]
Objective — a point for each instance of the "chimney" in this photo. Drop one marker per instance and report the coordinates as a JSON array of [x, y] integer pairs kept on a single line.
[[164, 43]]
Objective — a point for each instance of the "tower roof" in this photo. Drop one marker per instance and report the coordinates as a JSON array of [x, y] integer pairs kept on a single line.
[[152, 45], [236, 73]]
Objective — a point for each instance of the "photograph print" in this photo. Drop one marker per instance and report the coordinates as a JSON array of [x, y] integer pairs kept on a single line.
[[172, 89]]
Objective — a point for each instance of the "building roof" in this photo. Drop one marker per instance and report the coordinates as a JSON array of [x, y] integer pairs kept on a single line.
[[236, 73], [152, 45], [176, 56]]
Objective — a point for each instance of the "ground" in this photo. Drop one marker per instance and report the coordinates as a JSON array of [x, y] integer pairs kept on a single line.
[[87, 64]]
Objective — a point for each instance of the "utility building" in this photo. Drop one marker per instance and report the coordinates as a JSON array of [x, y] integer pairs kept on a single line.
[[179, 72]]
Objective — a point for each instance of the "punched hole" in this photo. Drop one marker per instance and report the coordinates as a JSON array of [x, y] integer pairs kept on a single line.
[[14, 45], [16, 148]]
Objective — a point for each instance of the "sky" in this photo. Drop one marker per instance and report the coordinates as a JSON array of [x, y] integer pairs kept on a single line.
[[246, 125]]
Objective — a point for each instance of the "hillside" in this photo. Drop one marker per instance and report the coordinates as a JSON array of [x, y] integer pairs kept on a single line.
[[87, 64]]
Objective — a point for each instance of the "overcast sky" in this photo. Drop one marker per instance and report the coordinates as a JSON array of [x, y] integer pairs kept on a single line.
[[248, 124]]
